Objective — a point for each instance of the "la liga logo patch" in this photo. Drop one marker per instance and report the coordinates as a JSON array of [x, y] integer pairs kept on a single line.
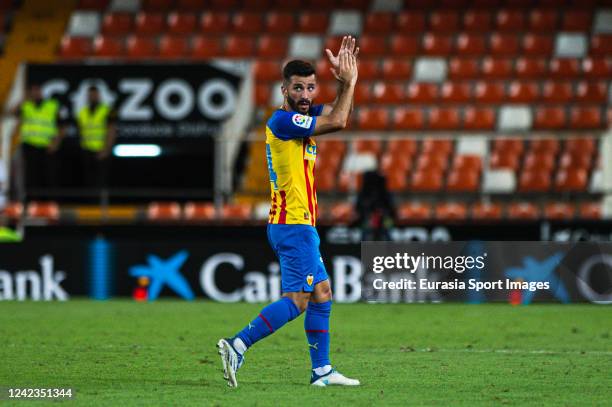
[[301, 120]]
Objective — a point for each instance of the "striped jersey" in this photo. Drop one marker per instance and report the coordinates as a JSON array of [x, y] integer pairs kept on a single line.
[[291, 153]]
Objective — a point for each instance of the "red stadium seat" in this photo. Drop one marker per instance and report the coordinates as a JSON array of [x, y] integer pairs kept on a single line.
[[236, 212], [557, 92], [215, 22], [363, 93], [379, 23], [313, 22], [456, 92], [191, 5], [280, 22], [266, 70], [397, 181], [467, 162], [437, 44], [164, 211], [601, 45], [510, 20], [543, 20], [141, 47], [534, 181], [485, 211], [325, 180], [394, 162], [432, 162], [12, 210], [388, 93], [402, 146], [204, 47], [199, 211], [575, 159], [590, 211], [549, 118], [489, 92], [437, 146], [272, 46], [117, 23], [446, 21], [477, 20], [426, 181], [75, 47], [559, 211], [173, 46], [181, 23], [478, 118], [523, 211], [505, 159], [564, 68], [323, 70], [413, 211], [571, 180], [539, 161], [108, 47], [463, 68], [326, 92], [523, 92], [407, 118], [342, 212], [239, 47], [544, 145], [419, 92], [470, 44], [586, 118], [364, 145], [150, 23], [333, 43], [373, 118], [497, 68], [349, 181], [538, 45], [585, 145], [373, 45], [576, 21], [450, 211], [444, 118], [247, 22], [597, 68], [262, 94], [329, 146], [410, 22], [591, 92], [43, 210], [509, 144], [396, 69], [504, 44], [463, 181], [404, 45], [368, 69], [530, 67]]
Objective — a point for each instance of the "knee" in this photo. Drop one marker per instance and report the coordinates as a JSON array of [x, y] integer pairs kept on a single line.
[[323, 295], [300, 301]]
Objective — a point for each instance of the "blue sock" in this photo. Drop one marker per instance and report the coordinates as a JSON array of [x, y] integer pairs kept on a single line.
[[316, 325], [270, 319]]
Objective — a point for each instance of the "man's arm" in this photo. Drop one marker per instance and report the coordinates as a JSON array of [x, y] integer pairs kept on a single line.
[[111, 135], [57, 140]]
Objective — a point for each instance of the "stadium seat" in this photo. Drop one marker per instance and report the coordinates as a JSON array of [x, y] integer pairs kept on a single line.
[[193, 6], [279, 22], [262, 94], [388, 93], [601, 45], [576, 20], [586, 145], [326, 92], [422, 92], [410, 22], [369, 69], [549, 118], [591, 92], [463, 68], [323, 70], [12, 210], [408, 118], [199, 211], [557, 91], [236, 212], [523, 92], [404, 45], [504, 159], [437, 146], [489, 92], [215, 22], [150, 23], [396, 69], [450, 211], [437, 44], [463, 181], [117, 24], [510, 20], [523, 211], [430, 69], [181, 23], [444, 118], [373, 46], [445, 21], [363, 93], [413, 212], [379, 23], [373, 118], [543, 20], [247, 23], [173, 46], [75, 47], [426, 181], [590, 211], [368, 145], [562, 68], [477, 20], [467, 162], [272, 46], [597, 68], [329, 145], [48, 211], [575, 159], [534, 181], [107, 47], [537, 45], [530, 68], [497, 68], [204, 47], [405, 147], [397, 181], [485, 211], [539, 161], [325, 180], [313, 22], [456, 92], [470, 44], [395, 161], [559, 211], [586, 117], [509, 144], [504, 44], [239, 47], [548, 146], [157, 5], [141, 47], [84, 24], [266, 70], [571, 180], [432, 162], [164, 211], [342, 212], [478, 118]]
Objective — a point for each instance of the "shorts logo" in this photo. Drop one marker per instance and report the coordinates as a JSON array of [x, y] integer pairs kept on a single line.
[[309, 279], [301, 120]]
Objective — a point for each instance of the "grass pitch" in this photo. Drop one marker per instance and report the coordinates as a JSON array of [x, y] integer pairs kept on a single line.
[[122, 353]]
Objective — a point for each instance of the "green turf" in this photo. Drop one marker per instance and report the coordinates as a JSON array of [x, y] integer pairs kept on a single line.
[[121, 353]]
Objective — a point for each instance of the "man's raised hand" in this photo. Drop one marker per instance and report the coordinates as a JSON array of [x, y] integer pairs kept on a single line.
[[348, 45]]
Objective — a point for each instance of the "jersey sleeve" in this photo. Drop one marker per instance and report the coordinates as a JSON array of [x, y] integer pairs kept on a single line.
[[291, 125]]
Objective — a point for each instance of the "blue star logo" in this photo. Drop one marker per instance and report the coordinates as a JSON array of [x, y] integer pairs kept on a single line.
[[540, 271], [164, 272]]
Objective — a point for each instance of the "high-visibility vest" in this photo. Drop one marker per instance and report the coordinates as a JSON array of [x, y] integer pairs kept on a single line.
[[93, 127], [39, 122]]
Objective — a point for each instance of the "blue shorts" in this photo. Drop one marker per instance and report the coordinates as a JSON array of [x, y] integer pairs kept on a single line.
[[297, 249]]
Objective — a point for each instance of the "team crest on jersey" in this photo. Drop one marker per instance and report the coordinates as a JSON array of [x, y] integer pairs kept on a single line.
[[301, 120], [310, 279]]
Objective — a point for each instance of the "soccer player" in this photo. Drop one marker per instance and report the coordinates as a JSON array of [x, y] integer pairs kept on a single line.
[[291, 152]]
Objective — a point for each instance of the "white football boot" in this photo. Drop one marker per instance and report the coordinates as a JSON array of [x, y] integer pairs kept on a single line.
[[332, 378], [231, 360]]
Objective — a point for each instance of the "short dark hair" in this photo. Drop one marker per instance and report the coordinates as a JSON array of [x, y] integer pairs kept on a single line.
[[297, 68], [92, 88]]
